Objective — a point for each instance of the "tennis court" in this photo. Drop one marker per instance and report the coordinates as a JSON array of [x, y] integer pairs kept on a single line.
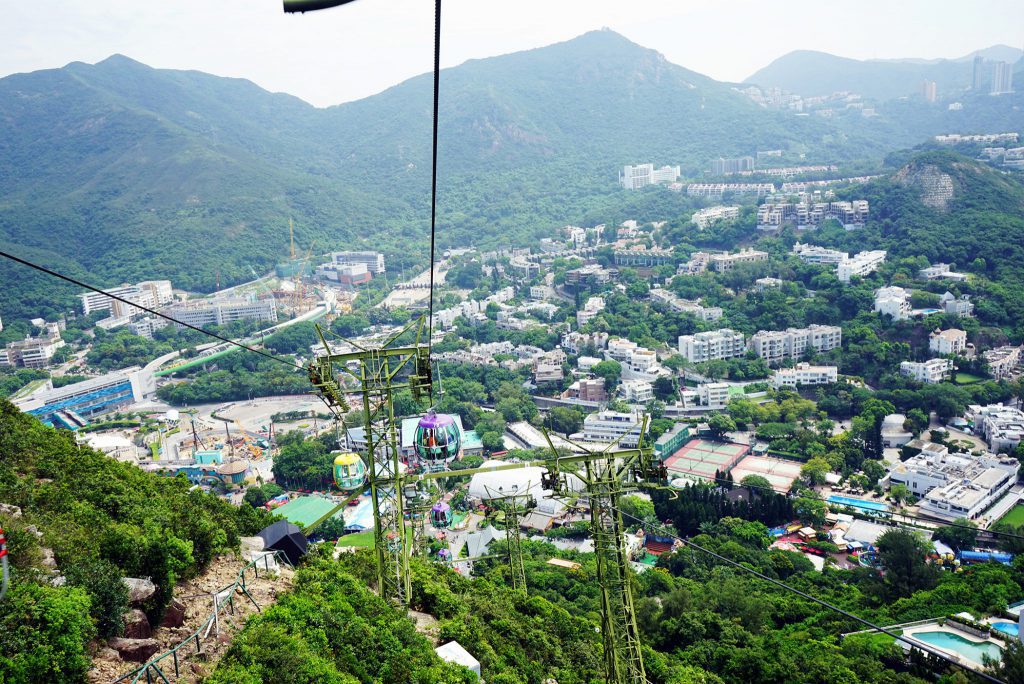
[[778, 472], [305, 510], [702, 458]]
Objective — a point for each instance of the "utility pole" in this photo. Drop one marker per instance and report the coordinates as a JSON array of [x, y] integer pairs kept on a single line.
[[509, 502]]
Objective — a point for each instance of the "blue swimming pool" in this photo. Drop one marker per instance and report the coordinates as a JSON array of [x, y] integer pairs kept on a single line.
[[858, 503], [1011, 628], [973, 651]]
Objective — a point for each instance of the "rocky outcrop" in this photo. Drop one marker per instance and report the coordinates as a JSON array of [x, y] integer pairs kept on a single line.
[[175, 614], [936, 187], [136, 625], [139, 589], [10, 510], [135, 650]]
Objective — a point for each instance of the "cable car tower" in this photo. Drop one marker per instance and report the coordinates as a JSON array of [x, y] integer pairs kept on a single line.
[[380, 372]]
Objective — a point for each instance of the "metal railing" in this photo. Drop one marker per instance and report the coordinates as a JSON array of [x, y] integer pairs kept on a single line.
[[224, 598]]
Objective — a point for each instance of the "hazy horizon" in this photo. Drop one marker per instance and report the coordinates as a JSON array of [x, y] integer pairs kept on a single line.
[[348, 53]]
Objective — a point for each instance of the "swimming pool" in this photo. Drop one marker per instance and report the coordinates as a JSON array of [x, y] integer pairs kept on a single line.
[[973, 651], [858, 503], [1011, 628]]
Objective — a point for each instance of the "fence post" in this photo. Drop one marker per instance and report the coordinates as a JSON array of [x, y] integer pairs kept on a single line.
[[175, 652], [216, 611]]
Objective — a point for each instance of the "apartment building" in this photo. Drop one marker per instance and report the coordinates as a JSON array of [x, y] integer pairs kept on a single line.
[[947, 342], [148, 293], [722, 189], [940, 272], [607, 427], [952, 486], [1002, 361], [930, 372], [774, 346], [714, 395], [728, 167], [1001, 426], [712, 345], [33, 352], [956, 306], [813, 254], [703, 218], [593, 306], [894, 302], [805, 374], [642, 175], [636, 391], [723, 263], [860, 264], [374, 261], [221, 312]]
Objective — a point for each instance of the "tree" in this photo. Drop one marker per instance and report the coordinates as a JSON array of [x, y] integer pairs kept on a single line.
[[899, 493], [917, 421], [756, 482], [815, 470], [610, 370], [903, 555], [963, 534], [107, 593], [873, 470], [665, 388], [721, 423], [565, 420], [809, 509]]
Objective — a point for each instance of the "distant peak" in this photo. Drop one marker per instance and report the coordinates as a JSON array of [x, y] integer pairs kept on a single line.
[[117, 59]]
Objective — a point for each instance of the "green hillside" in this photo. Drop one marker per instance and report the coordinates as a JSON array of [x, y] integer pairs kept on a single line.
[[92, 520]]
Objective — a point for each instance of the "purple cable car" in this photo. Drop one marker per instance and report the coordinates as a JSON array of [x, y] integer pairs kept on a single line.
[[437, 438], [441, 515]]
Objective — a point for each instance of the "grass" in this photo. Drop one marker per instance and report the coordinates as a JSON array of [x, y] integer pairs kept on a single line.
[[1014, 516], [967, 378]]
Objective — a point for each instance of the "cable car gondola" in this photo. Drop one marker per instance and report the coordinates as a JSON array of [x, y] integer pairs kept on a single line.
[[437, 439], [349, 471], [441, 515]]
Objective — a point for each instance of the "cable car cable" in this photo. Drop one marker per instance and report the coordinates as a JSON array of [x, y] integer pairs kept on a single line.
[[836, 609], [433, 179], [86, 286]]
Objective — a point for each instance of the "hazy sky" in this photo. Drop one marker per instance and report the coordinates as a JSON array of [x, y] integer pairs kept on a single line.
[[346, 53]]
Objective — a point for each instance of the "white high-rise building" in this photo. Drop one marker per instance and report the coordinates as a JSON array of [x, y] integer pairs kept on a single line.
[[860, 264], [1002, 78], [774, 346], [712, 345], [607, 427]]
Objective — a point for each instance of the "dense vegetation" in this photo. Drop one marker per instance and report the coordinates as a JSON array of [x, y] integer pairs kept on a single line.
[[97, 520]]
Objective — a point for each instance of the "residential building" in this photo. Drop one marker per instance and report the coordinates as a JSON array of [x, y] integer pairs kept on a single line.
[[928, 91], [587, 389], [728, 167], [1002, 78], [70, 406], [585, 276], [956, 306], [808, 216], [374, 261], [148, 293], [575, 342], [929, 372], [640, 256], [636, 391], [940, 272], [1002, 361], [894, 302], [860, 264], [607, 427], [620, 349], [642, 365], [762, 284], [33, 352], [714, 395], [987, 138], [774, 346], [723, 263], [712, 345], [145, 327], [722, 189], [952, 486], [805, 374], [593, 306], [523, 267], [702, 218], [947, 342], [1001, 426], [642, 175], [813, 254], [893, 433], [704, 313], [220, 312]]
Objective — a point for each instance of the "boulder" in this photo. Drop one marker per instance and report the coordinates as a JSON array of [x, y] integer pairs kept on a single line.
[[139, 589], [12, 510], [48, 561], [106, 653], [136, 625], [135, 650], [175, 615]]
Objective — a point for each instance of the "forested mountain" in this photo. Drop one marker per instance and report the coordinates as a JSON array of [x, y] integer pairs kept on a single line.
[[118, 171]]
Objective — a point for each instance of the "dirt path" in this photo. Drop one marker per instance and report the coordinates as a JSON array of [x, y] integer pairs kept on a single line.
[[196, 595]]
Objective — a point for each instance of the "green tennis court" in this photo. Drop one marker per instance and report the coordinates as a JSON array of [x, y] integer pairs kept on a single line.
[[305, 510], [702, 457]]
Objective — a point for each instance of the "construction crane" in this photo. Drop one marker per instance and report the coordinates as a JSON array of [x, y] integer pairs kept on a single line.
[[300, 293]]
